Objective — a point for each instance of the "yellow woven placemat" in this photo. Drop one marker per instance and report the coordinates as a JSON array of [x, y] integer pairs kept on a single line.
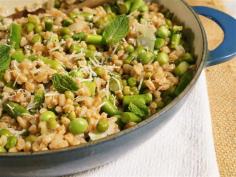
[[222, 93]]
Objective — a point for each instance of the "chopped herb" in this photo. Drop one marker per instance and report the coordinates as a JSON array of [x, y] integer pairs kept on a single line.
[[64, 83], [116, 30]]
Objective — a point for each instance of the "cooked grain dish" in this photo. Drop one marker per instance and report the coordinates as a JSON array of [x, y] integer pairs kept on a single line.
[[70, 76]]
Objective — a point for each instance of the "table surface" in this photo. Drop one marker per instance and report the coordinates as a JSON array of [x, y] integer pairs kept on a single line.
[[221, 88]]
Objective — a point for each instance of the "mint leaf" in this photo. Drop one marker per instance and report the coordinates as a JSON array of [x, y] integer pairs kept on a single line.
[[116, 30], [38, 100], [4, 57], [64, 83]]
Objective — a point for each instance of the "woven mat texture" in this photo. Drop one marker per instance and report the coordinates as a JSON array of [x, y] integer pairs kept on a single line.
[[222, 92]]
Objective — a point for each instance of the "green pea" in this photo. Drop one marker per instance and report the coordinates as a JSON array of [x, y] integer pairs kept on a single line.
[[18, 55], [45, 116], [5, 132], [124, 82], [162, 58], [144, 8], [141, 51], [72, 115], [78, 126], [69, 94], [79, 36], [89, 53], [29, 27], [38, 28], [163, 32], [67, 36], [31, 138], [2, 149], [159, 43], [75, 48], [134, 90], [52, 123], [103, 125], [36, 39], [130, 58], [129, 48], [146, 57], [181, 68], [126, 90], [87, 16], [11, 142], [136, 5], [73, 15], [67, 22], [33, 19], [65, 31], [92, 47], [53, 38], [132, 82], [100, 71]]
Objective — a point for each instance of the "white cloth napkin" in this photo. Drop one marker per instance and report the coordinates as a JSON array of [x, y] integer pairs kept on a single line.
[[182, 148]]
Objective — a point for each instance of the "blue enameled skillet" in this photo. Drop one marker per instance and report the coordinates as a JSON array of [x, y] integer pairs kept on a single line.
[[79, 158]]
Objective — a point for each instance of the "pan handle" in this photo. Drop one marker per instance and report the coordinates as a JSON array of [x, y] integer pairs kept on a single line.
[[228, 24]]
